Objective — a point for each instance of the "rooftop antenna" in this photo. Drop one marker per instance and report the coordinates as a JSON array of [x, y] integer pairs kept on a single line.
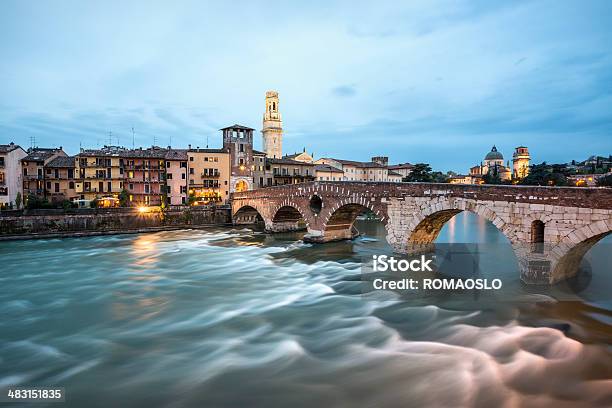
[[110, 137], [32, 141], [154, 140], [207, 141], [133, 139], [170, 140]]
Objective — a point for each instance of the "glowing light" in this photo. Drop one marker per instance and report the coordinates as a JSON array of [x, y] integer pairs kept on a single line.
[[242, 167], [142, 209]]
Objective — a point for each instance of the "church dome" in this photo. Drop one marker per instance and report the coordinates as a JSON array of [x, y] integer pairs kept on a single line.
[[494, 154]]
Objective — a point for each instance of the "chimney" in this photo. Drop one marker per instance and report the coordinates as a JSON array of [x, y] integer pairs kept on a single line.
[[189, 146]]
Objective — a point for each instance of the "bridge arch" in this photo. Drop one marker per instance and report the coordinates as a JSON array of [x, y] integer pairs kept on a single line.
[[288, 216], [248, 214], [338, 221], [426, 224], [570, 252]]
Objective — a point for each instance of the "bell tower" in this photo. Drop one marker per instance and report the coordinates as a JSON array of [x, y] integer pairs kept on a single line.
[[272, 127]]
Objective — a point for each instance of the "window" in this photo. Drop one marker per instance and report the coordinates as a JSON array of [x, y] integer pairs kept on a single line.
[[169, 176], [241, 148], [56, 173], [146, 189], [70, 173], [168, 189], [537, 236], [109, 186], [48, 185], [191, 171], [183, 176], [216, 159], [71, 185], [167, 164], [183, 165], [57, 187], [191, 158]]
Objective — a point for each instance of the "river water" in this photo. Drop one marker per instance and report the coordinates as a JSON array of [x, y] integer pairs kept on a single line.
[[226, 317]]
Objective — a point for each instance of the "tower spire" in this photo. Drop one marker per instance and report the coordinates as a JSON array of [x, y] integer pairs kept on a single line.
[[272, 131]]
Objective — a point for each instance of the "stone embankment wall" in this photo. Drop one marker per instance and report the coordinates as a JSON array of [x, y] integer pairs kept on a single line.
[[83, 221]]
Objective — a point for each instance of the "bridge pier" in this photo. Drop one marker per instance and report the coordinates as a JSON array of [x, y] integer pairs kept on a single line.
[[332, 234], [285, 226]]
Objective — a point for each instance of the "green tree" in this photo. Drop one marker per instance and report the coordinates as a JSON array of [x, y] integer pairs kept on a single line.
[[192, 198], [420, 172], [545, 175], [124, 198], [18, 200], [492, 176]]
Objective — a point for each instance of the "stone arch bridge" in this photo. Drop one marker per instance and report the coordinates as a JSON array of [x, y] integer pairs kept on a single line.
[[550, 228]]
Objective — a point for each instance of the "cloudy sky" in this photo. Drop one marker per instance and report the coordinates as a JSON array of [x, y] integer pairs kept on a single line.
[[433, 81]]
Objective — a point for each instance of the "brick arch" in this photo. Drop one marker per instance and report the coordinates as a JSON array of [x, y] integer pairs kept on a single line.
[[292, 204], [350, 201], [427, 223], [338, 216], [254, 205]]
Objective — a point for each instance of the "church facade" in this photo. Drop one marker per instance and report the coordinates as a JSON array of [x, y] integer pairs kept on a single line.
[[493, 165]]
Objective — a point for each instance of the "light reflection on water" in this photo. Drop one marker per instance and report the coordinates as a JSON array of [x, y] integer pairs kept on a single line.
[[231, 317]]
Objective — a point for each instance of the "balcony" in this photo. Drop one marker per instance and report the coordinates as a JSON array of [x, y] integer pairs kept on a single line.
[[33, 177], [214, 174]]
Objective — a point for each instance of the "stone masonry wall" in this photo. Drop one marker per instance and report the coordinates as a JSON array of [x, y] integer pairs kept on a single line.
[[50, 221]]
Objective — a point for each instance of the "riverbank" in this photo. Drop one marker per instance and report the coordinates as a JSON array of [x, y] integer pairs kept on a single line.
[[35, 224]]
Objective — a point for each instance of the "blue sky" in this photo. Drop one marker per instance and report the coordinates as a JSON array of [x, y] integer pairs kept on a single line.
[[433, 81]]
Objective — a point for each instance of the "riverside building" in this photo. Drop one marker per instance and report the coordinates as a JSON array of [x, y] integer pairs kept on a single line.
[[59, 179], [100, 173], [144, 173], [209, 175], [10, 173], [33, 170]]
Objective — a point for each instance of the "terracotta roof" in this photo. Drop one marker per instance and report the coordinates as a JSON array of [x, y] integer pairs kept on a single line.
[[40, 154], [106, 151], [61, 161], [150, 153], [327, 168], [176, 154], [208, 150], [9, 147], [288, 161], [257, 152], [236, 126], [359, 164], [401, 166]]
